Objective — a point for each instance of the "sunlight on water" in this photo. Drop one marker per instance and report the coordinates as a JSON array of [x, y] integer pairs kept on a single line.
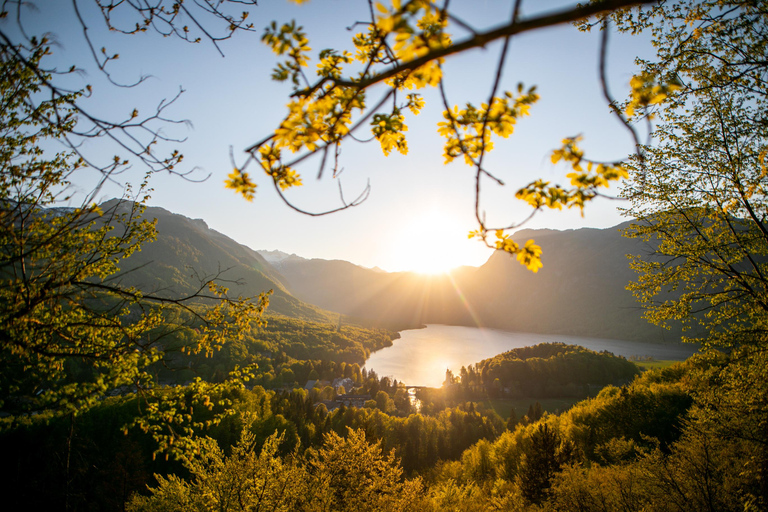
[[421, 356]]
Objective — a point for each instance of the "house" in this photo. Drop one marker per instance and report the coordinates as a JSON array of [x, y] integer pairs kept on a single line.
[[345, 400], [353, 400], [345, 382]]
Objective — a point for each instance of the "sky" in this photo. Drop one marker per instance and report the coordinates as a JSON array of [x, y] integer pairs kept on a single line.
[[419, 210]]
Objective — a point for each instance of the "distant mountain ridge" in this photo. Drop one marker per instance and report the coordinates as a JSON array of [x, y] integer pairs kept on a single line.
[[276, 257], [579, 291]]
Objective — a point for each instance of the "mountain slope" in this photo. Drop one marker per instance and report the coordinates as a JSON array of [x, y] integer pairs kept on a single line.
[[580, 290], [187, 252], [398, 300]]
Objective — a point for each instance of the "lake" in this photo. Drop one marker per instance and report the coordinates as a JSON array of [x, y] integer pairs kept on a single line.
[[421, 356]]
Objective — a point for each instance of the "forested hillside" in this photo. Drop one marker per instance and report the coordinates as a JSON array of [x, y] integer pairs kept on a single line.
[[141, 368], [187, 253], [545, 370], [284, 428]]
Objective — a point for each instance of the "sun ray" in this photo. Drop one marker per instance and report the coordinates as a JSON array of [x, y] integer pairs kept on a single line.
[[432, 242], [465, 302]]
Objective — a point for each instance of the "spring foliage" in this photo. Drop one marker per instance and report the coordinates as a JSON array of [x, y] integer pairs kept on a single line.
[[402, 49], [70, 331], [700, 196]]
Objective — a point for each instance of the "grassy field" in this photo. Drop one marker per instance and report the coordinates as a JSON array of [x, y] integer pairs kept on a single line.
[[653, 364], [503, 406]]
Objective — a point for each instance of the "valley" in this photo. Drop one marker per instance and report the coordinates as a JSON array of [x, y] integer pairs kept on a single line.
[[579, 296], [579, 291], [601, 165], [327, 360]]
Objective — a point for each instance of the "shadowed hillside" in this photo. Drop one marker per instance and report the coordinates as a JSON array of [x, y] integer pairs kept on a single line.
[[187, 252], [580, 290], [397, 300]]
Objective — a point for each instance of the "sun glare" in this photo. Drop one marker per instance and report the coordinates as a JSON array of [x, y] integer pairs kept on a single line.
[[432, 243]]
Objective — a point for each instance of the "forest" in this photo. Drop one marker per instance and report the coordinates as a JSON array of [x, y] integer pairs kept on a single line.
[[430, 444], [127, 389]]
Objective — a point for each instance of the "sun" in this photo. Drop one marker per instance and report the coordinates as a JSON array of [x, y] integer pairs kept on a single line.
[[434, 242]]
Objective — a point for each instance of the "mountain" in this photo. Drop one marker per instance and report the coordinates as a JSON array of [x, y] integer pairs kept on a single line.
[[276, 257], [397, 301], [187, 252], [579, 291]]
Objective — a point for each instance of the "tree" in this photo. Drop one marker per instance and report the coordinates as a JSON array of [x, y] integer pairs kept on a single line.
[[70, 331], [541, 460], [402, 49], [703, 206], [383, 402], [359, 476], [244, 480], [534, 414], [512, 421], [699, 194], [344, 474]]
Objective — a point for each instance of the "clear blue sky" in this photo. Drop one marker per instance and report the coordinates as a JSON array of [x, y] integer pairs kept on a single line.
[[420, 210]]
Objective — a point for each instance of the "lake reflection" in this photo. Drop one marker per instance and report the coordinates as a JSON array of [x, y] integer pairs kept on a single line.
[[421, 356]]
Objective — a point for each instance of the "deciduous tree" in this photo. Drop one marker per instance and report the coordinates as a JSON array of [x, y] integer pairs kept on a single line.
[[401, 49], [700, 193], [70, 331]]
